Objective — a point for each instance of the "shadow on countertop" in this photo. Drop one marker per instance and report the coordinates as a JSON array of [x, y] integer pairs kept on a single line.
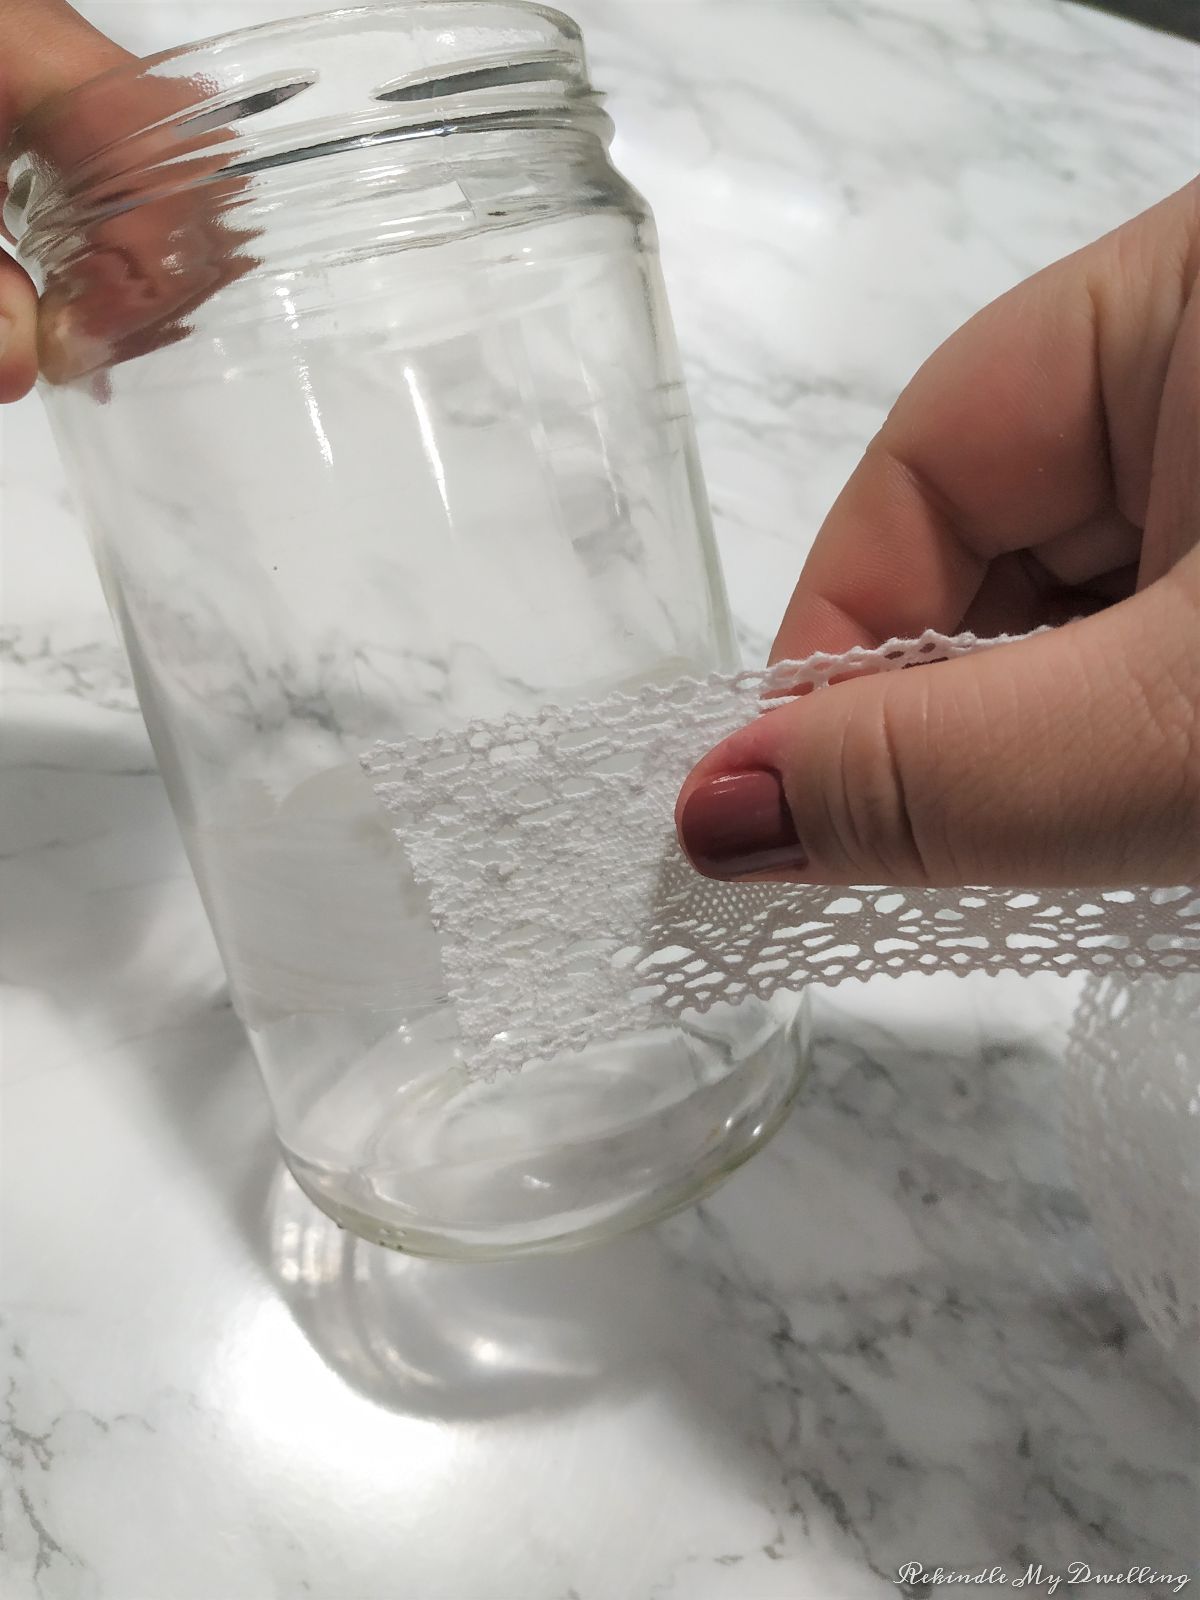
[[890, 1327], [890, 1332]]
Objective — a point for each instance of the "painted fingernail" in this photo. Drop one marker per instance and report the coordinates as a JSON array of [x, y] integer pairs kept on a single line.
[[739, 823]]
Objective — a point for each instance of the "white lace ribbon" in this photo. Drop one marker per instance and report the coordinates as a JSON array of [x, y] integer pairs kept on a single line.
[[568, 914]]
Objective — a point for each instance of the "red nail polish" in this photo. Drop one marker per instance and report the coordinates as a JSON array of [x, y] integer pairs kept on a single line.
[[739, 823]]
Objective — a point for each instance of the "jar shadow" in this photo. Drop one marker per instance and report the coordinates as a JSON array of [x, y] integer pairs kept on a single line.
[[469, 1340]]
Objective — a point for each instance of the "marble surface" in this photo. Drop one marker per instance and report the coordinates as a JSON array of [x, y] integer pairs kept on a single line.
[[892, 1338]]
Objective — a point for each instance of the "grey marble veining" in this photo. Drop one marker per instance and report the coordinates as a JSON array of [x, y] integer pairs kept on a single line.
[[893, 1336]]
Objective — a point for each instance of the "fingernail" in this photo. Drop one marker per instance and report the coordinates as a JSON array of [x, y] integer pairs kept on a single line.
[[739, 823]]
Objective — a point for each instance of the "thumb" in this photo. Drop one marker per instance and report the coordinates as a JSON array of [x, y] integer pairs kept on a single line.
[[1072, 758]]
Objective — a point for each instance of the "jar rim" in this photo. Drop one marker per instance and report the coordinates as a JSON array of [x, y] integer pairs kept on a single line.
[[281, 28], [280, 91]]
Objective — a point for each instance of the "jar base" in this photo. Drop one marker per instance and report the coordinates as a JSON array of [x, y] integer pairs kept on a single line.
[[572, 1151]]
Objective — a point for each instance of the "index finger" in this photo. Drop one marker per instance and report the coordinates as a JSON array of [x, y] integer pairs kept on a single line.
[[1037, 415]]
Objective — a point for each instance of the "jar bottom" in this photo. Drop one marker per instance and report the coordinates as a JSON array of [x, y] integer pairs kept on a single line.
[[570, 1151]]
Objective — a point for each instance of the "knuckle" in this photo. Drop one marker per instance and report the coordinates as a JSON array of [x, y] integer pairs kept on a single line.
[[1166, 675], [879, 808]]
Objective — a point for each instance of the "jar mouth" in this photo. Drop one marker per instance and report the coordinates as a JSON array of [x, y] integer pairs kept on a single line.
[[289, 91]]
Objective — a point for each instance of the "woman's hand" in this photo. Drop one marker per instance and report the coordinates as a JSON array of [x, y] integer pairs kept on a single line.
[[45, 48], [1043, 464], [144, 264]]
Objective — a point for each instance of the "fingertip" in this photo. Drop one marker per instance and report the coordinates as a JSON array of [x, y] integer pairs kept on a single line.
[[18, 360], [752, 749], [738, 826], [18, 334]]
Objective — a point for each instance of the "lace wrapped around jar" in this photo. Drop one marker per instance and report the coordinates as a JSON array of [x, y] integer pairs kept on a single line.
[[568, 912]]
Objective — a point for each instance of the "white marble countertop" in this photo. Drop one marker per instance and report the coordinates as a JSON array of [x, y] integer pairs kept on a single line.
[[889, 1339]]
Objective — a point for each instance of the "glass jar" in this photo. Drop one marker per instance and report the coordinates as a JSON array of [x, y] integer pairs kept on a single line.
[[356, 346]]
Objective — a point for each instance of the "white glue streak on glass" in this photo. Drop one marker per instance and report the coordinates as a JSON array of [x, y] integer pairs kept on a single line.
[[425, 423], [314, 412], [306, 385]]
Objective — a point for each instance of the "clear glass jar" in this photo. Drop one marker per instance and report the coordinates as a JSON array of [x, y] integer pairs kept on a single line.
[[357, 349]]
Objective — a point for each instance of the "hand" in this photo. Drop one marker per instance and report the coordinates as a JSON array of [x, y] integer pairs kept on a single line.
[[1043, 464], [151, 259], [45, 48]]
